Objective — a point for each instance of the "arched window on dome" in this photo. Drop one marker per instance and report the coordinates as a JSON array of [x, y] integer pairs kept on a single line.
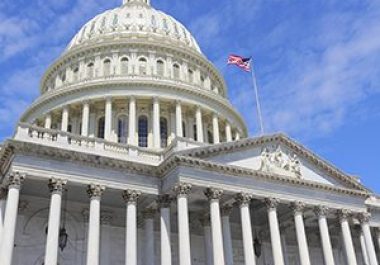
[[62, 77], [90, 70], [124, 62], [107, 67], [101, 130], [122, 129], [203, 79], [160, 68], [164, 132], [190, 74], [142, 66], [76, 74], [176, 71], [184, 129], [143, 131]]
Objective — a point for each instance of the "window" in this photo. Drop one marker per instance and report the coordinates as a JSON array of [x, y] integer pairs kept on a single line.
[[176, 70], [183, 129], [107, 67], [195, 132], [164, 132], [90, 70], [101, 123], [62, 76], [122, 129], [124, 66], [210, 137], [75, 74], [203, 80], [142, 66], [160, 68], [191, 76], [143, 131]]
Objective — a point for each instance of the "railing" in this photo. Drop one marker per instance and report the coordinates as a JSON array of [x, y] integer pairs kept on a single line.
[[35, 134]]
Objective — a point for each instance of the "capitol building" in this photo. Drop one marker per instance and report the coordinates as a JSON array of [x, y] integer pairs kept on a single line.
[[133, 155]]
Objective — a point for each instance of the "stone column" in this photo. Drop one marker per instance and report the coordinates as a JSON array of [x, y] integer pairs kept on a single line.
[[108, 119], [178, 119], [10, 218], [106, 218], [3, 196], [166, 251], [244, 200], [328, 255], [228, 132], [214, 196], [215, 128], [85, 118], [183, 191], [95, 193], [199, 124], [148, 216], [65, 118], [48, 121], [364, 249], [364, 221], [347, 238], [298, 208], [156, 123], [130, 198], [237, 136], [205, 221], [278, 256], [132, 121], [227, 238], [56, 187]]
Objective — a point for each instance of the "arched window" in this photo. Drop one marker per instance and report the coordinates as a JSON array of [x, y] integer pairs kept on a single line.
[[210, 137], [75, 74], [90, 70], [62, 76], [107, 67], [203, 80], [142, 66], [101, 123], [160, 68], [124, 66], [183, 129], [164, 132], [191, 76], [176, 70], [195, 132], [143, 131], [122, 129]]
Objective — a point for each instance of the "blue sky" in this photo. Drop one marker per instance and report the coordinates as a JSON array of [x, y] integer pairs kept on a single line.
[[317, 62]]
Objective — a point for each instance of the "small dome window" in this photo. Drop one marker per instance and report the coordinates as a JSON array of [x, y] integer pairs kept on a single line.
[[165, 24], [75, 74], [160, 68], [115, 20], [124, 65], [142, 66], [176, 71], [107, 67], [154, 22], [190, 75], [90, 70]]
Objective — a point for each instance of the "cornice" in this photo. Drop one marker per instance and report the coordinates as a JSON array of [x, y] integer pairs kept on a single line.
[[296, 147], [14, 146]]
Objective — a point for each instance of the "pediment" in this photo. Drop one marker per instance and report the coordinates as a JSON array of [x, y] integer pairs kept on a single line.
[[278, 155]]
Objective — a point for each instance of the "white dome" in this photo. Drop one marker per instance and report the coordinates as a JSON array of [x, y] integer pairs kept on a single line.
[[134, 20]]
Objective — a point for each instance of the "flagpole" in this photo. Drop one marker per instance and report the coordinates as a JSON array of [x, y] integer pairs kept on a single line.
[[258, 105]]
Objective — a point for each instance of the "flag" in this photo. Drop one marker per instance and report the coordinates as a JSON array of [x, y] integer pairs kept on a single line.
[[241, 62]]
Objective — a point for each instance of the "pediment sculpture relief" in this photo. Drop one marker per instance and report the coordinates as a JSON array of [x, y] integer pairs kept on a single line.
[[274, 160]]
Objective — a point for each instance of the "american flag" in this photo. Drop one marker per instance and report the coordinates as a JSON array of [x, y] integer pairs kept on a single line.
[[241, 62]]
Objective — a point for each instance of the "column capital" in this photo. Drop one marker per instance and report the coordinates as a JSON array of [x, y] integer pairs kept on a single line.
[[364, 217], [164, 201], [344, 214], [131, 196], [182, 189], [3, 192], [226, 210], [95, 191], [298, 207], [321, 210], [56, 185], [243, 199], [213, 193], [149, 213], [156, 99], [15, 180], [271, 203]]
